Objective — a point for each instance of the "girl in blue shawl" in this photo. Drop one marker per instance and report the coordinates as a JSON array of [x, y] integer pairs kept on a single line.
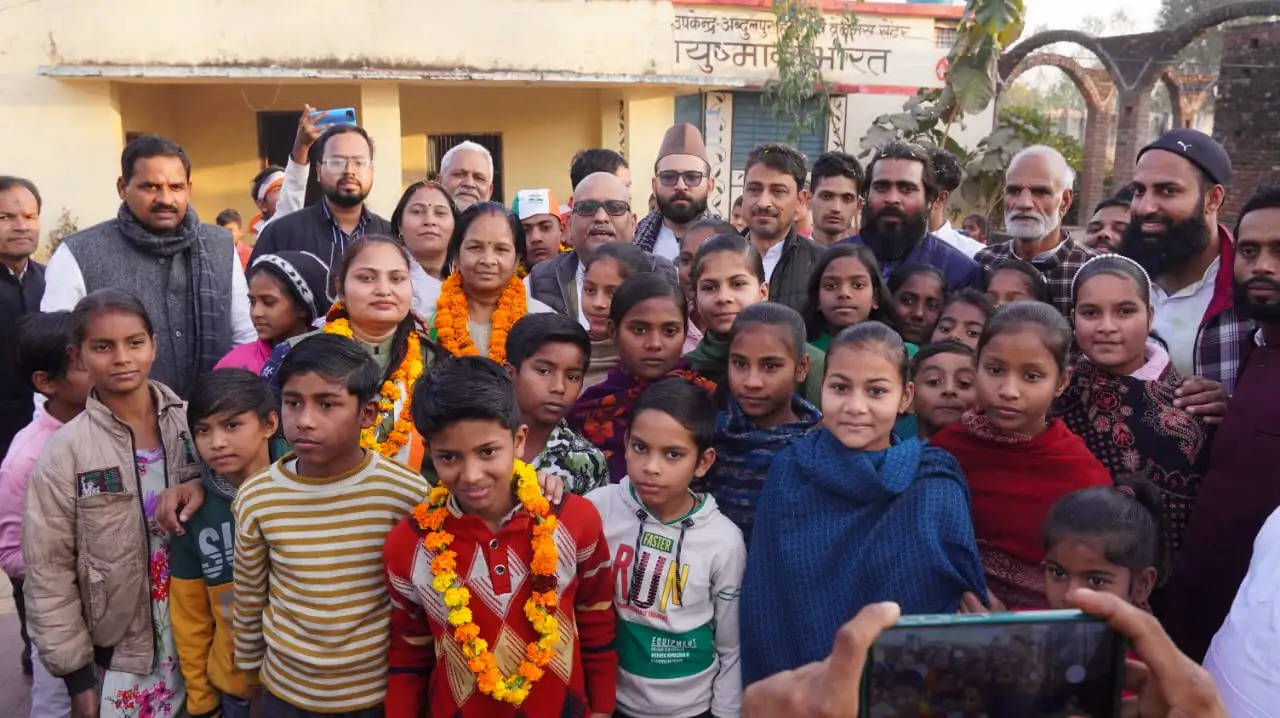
[[766, 362], [851, 515]]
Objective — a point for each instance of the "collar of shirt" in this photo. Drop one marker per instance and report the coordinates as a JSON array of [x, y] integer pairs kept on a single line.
[[360, 224], [771, 258], [26, 265], [1206, 280]]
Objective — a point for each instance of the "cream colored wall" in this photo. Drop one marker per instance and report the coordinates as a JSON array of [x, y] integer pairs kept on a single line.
[[217, 125], [66, 133], [541, 129]]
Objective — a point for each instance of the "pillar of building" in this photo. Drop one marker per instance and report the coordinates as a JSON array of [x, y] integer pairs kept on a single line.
[[1097, 137], [1133, 117], [718, 121], [380, 117]]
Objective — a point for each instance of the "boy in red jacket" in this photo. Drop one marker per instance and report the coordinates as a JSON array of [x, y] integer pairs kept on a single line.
[[513, 595]]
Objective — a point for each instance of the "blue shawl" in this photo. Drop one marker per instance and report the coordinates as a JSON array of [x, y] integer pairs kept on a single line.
[[743, 455], [838, 529]]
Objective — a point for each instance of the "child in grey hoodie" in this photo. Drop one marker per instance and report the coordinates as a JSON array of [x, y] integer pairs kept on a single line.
[[677, 565]]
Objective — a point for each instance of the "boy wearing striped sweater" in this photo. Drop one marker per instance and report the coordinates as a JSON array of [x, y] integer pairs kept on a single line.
[[311, 608], [502, 604]]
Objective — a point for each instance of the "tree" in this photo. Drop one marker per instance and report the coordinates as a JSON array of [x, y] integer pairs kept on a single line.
[[800, 24], [1203, 55]]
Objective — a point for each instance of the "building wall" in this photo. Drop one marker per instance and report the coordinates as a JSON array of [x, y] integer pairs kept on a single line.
[[217, 125], [551, 75], [1245, 118], [541, 129]]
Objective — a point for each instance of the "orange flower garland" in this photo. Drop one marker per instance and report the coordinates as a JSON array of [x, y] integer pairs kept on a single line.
[[539, 609], [405, 375], [451, 318]]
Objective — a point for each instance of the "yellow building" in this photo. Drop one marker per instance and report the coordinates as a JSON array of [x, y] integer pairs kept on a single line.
[[534, 79]]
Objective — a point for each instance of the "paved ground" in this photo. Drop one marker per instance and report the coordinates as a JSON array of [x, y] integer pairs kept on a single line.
[[15, 698]]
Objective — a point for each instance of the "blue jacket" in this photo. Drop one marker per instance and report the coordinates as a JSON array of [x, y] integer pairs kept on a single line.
[[960, 270]]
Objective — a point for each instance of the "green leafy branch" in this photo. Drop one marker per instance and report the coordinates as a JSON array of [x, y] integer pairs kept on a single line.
[[798, 58], [985, 30]]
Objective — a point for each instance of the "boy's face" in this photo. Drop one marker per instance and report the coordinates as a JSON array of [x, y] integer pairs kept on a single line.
[[945, 389], [763, 373], [662, 458], [234, 445], [475, 459], [548, 383], [322, 419]]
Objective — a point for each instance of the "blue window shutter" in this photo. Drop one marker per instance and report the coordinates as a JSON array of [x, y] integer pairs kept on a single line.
[[755, 124]]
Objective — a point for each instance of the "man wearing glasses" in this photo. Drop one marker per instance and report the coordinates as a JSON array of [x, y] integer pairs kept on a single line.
[[681, 184], [601, 214], [326, 228]]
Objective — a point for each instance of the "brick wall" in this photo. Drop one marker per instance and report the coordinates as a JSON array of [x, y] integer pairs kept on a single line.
[[1246, 114]]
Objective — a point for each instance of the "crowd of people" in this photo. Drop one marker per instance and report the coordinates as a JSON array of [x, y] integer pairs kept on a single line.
[[569, 460]]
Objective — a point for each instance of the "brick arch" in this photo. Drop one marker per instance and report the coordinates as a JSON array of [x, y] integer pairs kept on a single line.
[[1015, 55], [1093, 96]]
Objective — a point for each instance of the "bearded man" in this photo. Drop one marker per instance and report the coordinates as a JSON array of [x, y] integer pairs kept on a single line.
[[1178, 191], [901, 188], [681, 183], [1037, 194], [327, 227]]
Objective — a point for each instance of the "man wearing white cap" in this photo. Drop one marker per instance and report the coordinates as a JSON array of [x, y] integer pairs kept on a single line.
[[266, 193], [543, 231]]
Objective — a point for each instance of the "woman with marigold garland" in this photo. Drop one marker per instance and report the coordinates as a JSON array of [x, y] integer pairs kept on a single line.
[[484, 296], [373, 289], [373, 308], [487, 532]]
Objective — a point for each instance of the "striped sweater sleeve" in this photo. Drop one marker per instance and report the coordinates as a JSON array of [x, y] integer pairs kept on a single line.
[[410, 654], [593, 606], [251, 569]]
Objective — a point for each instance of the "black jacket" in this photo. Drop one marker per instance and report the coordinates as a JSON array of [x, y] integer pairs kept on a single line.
[[555, 281], [789, 283], [16, 299], [311, 230]]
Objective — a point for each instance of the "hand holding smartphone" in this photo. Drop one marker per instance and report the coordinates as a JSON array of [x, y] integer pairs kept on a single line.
[[1002, 665], [338, 116]]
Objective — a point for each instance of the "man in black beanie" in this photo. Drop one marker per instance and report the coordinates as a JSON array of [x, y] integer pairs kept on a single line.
[[1178, 189]]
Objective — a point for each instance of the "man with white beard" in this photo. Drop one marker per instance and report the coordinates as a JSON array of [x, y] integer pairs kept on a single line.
[[1037, 194]]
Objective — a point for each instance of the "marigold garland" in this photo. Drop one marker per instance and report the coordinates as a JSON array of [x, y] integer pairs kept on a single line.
[[451, 318], [539, 609], [405, 375]]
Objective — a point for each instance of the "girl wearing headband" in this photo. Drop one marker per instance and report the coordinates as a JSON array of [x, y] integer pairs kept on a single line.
[[1121, 396]]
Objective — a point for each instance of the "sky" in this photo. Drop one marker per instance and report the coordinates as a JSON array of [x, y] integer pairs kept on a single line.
[[1069, 14]]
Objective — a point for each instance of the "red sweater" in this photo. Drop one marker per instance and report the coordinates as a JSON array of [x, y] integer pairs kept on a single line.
[[496, 570], [1014, 482]]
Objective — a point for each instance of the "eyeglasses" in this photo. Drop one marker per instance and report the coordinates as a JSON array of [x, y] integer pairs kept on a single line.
[[668, 178], [338, 163], [589, 207]]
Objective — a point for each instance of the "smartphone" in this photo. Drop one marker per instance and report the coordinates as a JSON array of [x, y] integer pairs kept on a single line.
[[339, 116], [1001, 665]]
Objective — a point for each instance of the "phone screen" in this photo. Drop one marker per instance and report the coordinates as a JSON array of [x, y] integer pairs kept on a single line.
[[995, 670]]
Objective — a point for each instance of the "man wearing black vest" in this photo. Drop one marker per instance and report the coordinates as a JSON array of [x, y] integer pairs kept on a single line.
[[185, 272]]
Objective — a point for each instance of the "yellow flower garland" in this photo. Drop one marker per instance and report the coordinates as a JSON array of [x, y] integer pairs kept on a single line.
[[405, 375], [539, 609], [451, 318]]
